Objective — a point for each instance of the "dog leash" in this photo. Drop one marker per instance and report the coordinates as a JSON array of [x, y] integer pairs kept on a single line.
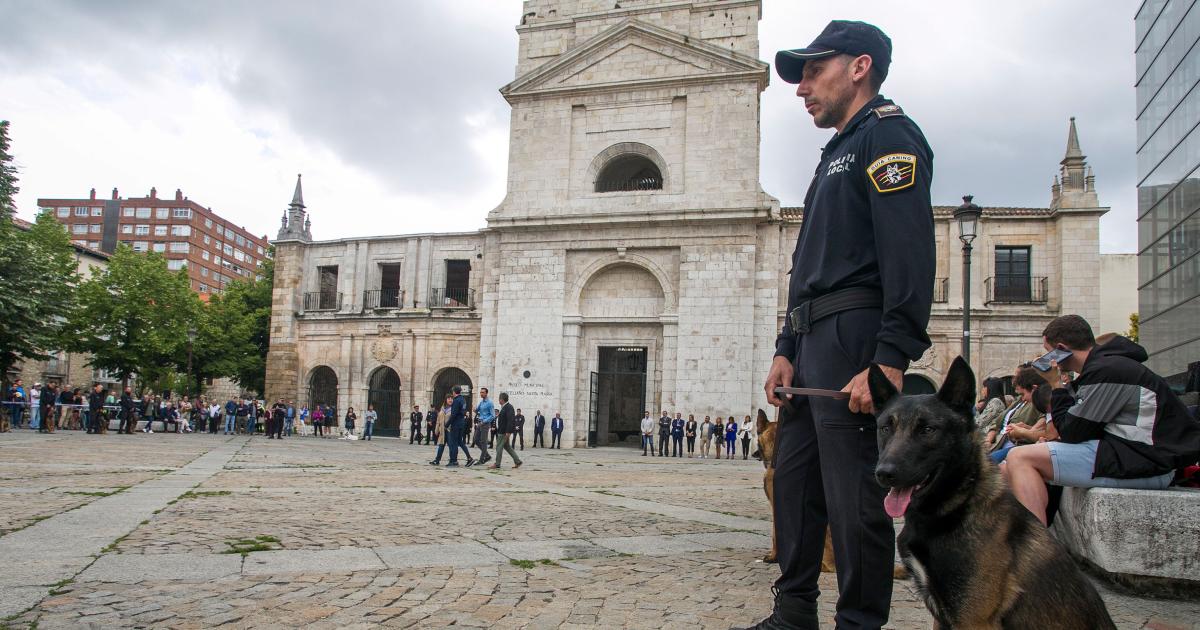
[[809, 391]]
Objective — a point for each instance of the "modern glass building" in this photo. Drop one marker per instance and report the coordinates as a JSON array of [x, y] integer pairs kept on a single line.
[[1168, 165]]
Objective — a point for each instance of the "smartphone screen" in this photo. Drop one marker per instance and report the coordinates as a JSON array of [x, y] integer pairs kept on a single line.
[[1042, 363]]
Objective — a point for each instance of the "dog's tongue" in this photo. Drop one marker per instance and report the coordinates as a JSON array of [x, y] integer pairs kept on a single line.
[[896, 501]]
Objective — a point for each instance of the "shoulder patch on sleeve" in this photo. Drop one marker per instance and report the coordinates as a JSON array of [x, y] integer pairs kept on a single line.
[[892, 172], [887, 111]]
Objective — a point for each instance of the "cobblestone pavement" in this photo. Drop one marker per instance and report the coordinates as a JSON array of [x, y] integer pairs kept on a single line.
[[199, 531]]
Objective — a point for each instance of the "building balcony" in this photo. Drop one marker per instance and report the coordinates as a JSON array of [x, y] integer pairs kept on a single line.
[[323, 301], [451, 298], [1015, 290], [383, 298], [941, 290]]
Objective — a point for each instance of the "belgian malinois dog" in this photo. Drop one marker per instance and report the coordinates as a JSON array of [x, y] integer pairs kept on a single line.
[[979, 558]]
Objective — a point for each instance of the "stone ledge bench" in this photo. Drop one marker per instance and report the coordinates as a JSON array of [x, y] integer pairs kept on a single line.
[[1140, 539]]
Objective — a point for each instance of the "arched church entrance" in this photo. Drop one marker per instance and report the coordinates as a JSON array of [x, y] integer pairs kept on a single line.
[[621, 305], [384, 392], [322, 387], [447, 379]]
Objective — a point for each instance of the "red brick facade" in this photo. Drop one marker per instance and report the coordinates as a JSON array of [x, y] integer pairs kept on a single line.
[[212, 249]]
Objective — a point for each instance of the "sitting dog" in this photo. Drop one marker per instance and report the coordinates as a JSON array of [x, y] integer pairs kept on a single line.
[[979, 558]]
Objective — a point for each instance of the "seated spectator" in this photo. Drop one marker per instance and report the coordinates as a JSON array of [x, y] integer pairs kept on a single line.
[[991, 405], [1021, 424], [1119, 424]]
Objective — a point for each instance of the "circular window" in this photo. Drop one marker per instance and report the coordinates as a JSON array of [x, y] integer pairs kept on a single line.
[[629, 172]]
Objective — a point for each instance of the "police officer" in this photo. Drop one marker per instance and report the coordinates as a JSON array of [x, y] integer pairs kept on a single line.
[[860, 293], [414, 425]]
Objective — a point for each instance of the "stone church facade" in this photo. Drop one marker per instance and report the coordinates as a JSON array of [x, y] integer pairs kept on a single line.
[[635, 263]]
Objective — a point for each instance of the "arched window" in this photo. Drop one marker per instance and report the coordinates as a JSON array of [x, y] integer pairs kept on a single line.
[[629, 172]]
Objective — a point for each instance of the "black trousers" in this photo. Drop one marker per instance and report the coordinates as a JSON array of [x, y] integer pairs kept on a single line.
[[414, 433], [676, 445], [556, 439], [517, 436], [663, 449], [539, 436], [127, 422], [825, 475], [691, 442]]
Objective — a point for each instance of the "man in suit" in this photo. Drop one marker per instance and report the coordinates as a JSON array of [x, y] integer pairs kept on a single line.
[[414, 424], [539, 429], [519, 429], [677, 435], [664, 433], [505, 425], [556, 429], [458, 424]]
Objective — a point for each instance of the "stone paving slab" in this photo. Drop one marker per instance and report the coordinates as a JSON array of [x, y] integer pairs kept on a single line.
[[461, 554], [135, 568], [651, 545], [345, 560], [551, 549]]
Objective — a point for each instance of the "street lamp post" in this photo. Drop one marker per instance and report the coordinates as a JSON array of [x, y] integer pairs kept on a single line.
[[191, 337], [968, 222]]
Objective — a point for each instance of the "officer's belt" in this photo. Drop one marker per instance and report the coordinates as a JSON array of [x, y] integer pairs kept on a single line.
[[808, 313]]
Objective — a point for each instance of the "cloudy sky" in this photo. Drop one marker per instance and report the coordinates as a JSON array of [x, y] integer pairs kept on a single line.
[[391, 110]]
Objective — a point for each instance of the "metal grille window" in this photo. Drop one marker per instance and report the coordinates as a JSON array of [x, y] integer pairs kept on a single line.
[[628, 173], [1012, 274]]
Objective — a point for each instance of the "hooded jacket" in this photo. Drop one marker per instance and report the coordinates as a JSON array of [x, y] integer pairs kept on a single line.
[[1143, 428]]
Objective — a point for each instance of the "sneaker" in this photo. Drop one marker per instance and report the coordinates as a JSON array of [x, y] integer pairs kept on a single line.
[[435, 463], [470, 463], [453, 465]]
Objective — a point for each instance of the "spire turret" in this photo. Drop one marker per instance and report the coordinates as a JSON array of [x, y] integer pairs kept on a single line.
[[295, 223], [1074, 186]]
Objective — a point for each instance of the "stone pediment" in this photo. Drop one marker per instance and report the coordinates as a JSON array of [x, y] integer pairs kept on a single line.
[[634, 52]]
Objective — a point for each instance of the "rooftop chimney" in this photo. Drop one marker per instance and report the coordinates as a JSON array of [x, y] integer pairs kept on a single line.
[[93, 194], [178, 195], [115, 196], [153, 193]]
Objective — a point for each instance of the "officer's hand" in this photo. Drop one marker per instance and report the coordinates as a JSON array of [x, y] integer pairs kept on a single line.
[[860, 392], [779, 376]]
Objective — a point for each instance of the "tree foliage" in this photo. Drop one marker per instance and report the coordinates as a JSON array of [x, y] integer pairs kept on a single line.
[[1132, 333], [235, 332], [134, 317], [37, 276]]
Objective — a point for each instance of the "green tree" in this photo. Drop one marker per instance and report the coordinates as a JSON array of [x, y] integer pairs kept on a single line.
[[37, 267], [1132, 333], [134, 317], [234, 339]]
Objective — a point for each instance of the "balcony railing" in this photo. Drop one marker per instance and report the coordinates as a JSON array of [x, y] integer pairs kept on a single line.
[[941, 290], [452, 298], [1014, 290], [323, 301], [383, 298]]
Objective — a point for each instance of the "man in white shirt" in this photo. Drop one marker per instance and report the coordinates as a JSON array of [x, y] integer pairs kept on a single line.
[[648, 425]]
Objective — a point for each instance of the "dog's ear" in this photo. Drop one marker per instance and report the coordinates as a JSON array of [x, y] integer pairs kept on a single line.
[[958, 390], [761, 423], [881, 388]]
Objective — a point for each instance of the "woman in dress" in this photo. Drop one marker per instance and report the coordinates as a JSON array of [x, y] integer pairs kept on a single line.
[[350, 418], [719, 436]]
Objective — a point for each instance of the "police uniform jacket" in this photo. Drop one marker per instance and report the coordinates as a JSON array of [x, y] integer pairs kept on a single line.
[[868, 223]]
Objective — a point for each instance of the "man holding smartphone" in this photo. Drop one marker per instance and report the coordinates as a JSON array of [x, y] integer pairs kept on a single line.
[[1119, 424]]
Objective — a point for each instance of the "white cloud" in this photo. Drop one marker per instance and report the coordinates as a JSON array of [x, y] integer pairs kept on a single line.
[[400, 128]]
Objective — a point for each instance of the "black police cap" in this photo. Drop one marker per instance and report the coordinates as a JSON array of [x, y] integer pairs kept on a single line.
[[839, 37]]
